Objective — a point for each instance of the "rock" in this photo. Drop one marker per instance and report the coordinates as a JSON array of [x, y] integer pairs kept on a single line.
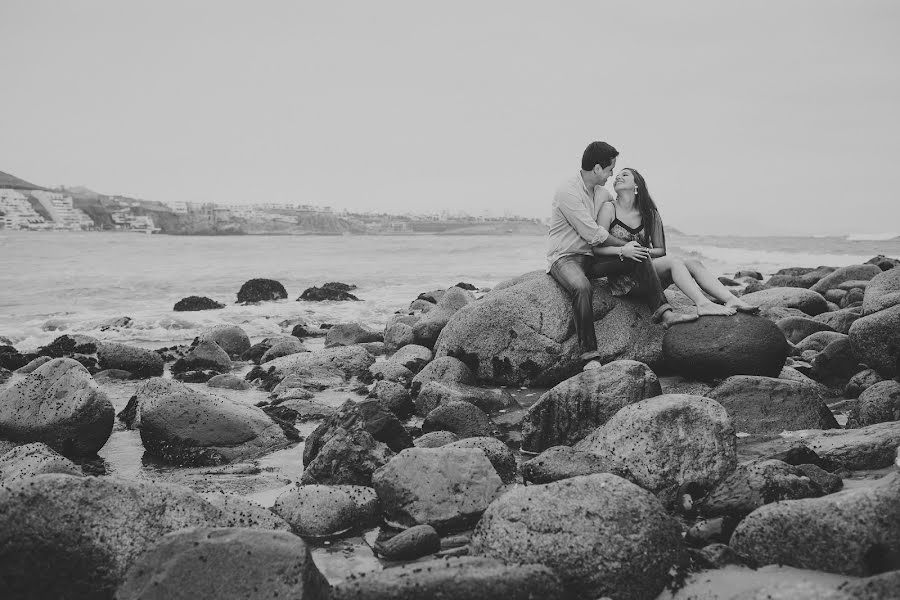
[[33, 365], [240, 512], [883, 262], [261, 290], [716, 347], [367, 415], [111, 375], [877, 404], [767, 405], [5, 374], [186, 427], [231, 338], [446, 488], [420, 306], [394, 397], [29, 460], [59, 404], [413, 357], [877, 587], [563, 462], [303, 408], [66, 345], [445, 369], [388, 370], [195, 376], [501, 457], [728, 281], [138, 361], [852, 299], [794, 590], [344, 361], [835, 295], [748, 273], [427, 329], [844, 274], [875, 340], [321, 294], [435, 439], [464, 578], [811, 303], [836, 364], [74, 537], [756, 484], [522, 334], [464, 419], [799, 277], [667, 442], [574, 408], [410, 544], [192, 303], [853, 532], [204, 356], [882, 292], [819, 341], [337, 285], [348, 457], [225, 563], [861, 382], [285, 348], [398, 335], [374, 348], [603, 535], [796, 329], [325, 511], [436, 393], [348, 334], [853, 284], [839, 320], [229, 382]]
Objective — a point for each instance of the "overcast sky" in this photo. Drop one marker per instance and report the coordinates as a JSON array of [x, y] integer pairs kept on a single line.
[[744, 117]]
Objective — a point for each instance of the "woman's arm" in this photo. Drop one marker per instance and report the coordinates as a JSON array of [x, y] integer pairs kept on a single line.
[[658, 239], [613, 246]]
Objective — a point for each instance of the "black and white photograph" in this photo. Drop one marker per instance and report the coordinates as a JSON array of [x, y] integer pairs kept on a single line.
[[406, 300]]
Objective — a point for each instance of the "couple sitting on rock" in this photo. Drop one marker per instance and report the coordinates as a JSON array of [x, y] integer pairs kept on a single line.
[[594, 235]]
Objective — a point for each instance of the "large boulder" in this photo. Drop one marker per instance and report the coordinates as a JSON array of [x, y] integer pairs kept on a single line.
[[324, 510], [768, 405], [877, 404], [347, 457], [574, 408], [33, 459], [800, 277], [436, 393], [462, 418], [836, 363], [845, 274], [882, 292], [603, 535], [75, 537], [854, 532], [194, 303], [796, 329], [811, 303], [140, 362], [413, 357], [429, 326], [819, 341], [716, 347], [282, 348], [875, 340], [839, 320], [348, 334], [325, 293], [369, 416], [501, 457], [261, 290], [563, 462], [59, 404], [445, 369], [225, 563], [231, 338], [667, 442], [522, 334], [205, 355], [447, 488], [346, 361], [397, 335], [186, 427]]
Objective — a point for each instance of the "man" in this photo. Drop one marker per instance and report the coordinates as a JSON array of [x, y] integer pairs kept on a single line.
[[575, 254]]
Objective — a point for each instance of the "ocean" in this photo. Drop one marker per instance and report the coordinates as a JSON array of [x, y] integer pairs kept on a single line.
[[67, 282]]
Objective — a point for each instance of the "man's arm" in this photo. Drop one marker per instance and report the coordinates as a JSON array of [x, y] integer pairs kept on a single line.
[[580, 219]]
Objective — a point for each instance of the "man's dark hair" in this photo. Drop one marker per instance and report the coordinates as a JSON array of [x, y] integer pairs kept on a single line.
[[598, 153]]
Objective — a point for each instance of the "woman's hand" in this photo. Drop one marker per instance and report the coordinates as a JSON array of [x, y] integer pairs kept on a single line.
[[635, 252]]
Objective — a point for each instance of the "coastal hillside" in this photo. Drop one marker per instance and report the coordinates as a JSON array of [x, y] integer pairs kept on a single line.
[[12, 182]]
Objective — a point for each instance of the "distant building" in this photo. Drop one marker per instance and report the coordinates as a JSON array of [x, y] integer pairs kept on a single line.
[[18, 212], [179, 208], [61, 211]]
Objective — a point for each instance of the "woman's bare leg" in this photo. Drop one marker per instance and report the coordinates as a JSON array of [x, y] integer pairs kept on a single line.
[[668, 266], [712, 286]]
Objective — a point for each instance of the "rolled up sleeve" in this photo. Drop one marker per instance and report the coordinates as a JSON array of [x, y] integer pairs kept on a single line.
[[581, 219]]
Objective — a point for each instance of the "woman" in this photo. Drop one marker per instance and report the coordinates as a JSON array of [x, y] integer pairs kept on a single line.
[[632, 216]]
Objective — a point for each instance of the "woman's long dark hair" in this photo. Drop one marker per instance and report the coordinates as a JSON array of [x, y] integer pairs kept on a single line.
[[645, 205]]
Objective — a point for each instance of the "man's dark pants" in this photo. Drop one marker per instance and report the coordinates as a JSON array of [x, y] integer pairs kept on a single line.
[[574, 273]]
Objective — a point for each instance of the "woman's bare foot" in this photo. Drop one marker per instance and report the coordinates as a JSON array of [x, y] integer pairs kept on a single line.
[[670, 317], [741, 306], [717, 310]]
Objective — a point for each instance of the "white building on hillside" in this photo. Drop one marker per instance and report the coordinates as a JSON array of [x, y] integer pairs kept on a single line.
[[61, 210], [18, 212]]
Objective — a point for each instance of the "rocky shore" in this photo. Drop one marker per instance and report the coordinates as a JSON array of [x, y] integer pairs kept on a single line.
[[461, 453]]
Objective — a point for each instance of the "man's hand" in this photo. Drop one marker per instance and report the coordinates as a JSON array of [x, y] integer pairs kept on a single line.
[[635, 252]]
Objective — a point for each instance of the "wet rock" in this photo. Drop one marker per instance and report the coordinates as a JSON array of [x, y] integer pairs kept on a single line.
[[800, 277], [348, 457], [324, 511], [435, 439], [204, 356], [59, 404], [186, 427], [33, 365], [413, 357], [66, 345], [261, 290], [875, 340], [667, 442], [447, 488], [501, 457], [410, 544], [445, 369], [829, 482], [715, 347], [138, 361], [877, 404], [796, 329], [819, 341], [861, 382], [767, 405], [398, 335], [810, 302], [240, 512], [33, 459], [346, 361], [394, 397], [563, 462], [388, 370], [225, 563], [436, 393], [348, 334], [621, 546], [229, 382], [574, 408], [303, 408], [231, 338], [462, 418], [193, 303], [367, 415], [465, 578], [74, 537], [428, 328], [882, 292], [839, 320], [854, 532], [285, 348], [521, 334], [321, 294], [844, 274], [836, 364]]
